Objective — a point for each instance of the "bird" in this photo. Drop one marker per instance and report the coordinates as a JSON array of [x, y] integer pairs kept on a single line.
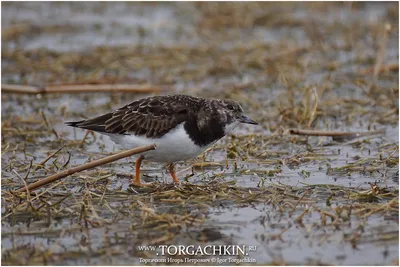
[[181, 126]]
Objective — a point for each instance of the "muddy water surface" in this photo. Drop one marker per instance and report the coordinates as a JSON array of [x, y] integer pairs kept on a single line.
[[299, 200]]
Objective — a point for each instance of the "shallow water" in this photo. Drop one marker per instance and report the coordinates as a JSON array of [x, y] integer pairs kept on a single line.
[[157, 32]]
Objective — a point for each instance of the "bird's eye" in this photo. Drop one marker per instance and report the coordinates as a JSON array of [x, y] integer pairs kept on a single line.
[[230, 107]]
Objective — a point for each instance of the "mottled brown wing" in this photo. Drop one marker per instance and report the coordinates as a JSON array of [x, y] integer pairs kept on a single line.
[[151, 117]]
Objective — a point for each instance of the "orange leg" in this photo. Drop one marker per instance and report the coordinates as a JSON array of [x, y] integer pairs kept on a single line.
[[136, 180], [172, 172]]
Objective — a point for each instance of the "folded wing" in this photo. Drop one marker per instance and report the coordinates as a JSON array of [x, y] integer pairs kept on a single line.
[[151, 117]]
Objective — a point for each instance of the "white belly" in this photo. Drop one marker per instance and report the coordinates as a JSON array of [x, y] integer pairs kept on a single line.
[[173, 146]]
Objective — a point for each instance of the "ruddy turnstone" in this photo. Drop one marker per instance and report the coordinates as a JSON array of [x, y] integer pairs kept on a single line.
[[181, 126]]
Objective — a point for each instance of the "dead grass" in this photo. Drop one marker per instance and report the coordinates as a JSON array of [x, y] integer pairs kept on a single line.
[[336, 78]]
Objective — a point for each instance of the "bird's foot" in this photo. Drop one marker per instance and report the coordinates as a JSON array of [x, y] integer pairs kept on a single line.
[[137, 183], [173, 174]]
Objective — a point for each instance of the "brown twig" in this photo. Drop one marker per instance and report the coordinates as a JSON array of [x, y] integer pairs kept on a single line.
[[84, 138], [297, 203], [384, 68], [22, 89], [382, 49], [288, 53], [80, 88], [86, 166], [333, 134], [41, 164]]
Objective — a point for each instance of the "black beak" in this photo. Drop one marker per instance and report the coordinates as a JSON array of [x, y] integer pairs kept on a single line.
[[245, 119]]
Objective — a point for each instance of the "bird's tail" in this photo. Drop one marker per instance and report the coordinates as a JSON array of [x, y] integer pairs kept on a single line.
[[97, 124]]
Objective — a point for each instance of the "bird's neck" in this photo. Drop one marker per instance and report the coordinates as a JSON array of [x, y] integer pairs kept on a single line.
[[206, 135]]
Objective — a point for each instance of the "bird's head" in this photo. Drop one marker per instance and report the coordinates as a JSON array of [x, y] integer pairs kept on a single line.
[[234, 112], [226, 113]]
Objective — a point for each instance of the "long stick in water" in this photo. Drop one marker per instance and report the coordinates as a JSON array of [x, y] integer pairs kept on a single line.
[[86, 166], [334, 134], [80, 88]]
